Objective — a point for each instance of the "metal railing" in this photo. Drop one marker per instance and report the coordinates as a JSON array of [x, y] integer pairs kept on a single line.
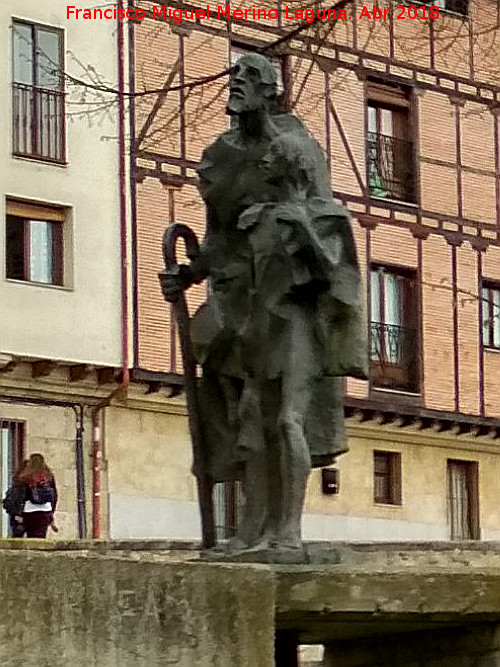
[[395, 357], [391, 172], [38, 126]]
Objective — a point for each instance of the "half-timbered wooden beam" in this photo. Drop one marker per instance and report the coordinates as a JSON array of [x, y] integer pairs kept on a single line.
[[343, 56], [157, 105], [496, 148], [456, 350], [328, 131], [482, 407], [346, 145], [182, 102]]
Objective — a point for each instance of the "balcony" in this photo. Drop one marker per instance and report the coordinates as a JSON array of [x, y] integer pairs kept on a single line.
[[38, 123], [390, 167], [395, 357]]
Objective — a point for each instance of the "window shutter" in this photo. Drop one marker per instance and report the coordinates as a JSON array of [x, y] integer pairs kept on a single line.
[[31, 211], [383, 93]]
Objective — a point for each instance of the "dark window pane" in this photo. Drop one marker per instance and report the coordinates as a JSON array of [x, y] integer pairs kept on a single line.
[[381, 463], [458, 6], [49, 64], [15, 248], [491, 316], [382, 494], [463, 500], [387, 477], [382, 481], [23, 53]]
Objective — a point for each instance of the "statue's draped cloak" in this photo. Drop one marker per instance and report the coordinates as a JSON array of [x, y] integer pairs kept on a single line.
[[242, 329]]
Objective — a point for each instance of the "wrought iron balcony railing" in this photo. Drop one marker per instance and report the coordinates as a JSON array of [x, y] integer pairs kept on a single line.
[[391, 172], [395, 357], [38, 122]]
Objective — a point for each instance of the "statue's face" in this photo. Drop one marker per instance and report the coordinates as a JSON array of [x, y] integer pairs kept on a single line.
[[275, 165], [246, 89]]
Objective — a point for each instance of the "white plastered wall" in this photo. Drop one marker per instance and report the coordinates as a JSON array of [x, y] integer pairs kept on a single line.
[[82, 320]]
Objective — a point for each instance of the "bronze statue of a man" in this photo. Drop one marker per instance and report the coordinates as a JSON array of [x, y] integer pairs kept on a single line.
[[284, 319]]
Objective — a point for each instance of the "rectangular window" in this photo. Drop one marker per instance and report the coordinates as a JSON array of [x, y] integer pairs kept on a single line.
[[390, 154], [12, 435], [38, 120], [463, 500], [491, 315], [455, 6], [228, 503], [394, 329], [34, 243], [387, 478]]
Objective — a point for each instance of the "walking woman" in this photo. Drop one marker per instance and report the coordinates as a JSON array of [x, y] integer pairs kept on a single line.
[[40, 499]]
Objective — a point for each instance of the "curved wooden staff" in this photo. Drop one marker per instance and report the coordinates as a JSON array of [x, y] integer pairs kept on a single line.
[[204, 483]]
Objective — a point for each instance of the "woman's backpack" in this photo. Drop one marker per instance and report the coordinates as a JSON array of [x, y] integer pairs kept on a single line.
[[42, 492], [13, 503]]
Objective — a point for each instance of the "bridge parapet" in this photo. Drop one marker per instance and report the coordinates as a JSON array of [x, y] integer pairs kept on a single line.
[[143, 604]]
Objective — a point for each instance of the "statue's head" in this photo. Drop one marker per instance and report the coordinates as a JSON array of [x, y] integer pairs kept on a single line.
[[252, 85]]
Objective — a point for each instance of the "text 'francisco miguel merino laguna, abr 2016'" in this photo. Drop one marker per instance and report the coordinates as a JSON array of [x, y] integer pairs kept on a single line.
[[177, 15]]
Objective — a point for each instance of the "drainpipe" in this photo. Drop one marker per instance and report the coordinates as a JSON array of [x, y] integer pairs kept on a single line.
[[123, 197], [96, 475], [97, 460], [80, 474], [133, 183]]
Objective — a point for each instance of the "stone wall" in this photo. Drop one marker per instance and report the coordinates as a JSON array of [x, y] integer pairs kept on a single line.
[[62, 609], [140, 604], [152, 493]]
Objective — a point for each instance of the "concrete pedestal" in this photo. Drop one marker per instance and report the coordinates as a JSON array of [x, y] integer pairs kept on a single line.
[[158, 604]]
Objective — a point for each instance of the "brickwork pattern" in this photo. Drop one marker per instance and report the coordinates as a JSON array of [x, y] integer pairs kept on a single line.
[[447, 185]]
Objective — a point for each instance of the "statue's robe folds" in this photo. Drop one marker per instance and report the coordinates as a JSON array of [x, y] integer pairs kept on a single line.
[[232, 182]]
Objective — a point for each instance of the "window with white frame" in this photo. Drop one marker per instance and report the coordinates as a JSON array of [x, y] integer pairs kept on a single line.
[[491, 315], [34, 243], [394, 331], [387, 478], [38, 112]]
